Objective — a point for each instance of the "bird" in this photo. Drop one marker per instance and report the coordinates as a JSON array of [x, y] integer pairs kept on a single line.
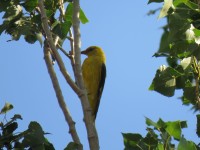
[[94, 75]]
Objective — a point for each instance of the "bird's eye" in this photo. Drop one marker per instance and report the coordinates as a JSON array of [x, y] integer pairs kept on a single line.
[[90, 49]]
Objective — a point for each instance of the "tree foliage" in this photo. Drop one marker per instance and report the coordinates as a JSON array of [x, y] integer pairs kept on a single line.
[[23, 18], [51, 23], [179, 44], [32, 138], [160, 136]]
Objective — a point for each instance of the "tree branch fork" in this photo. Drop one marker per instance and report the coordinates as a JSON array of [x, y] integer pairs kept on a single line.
[[78, 85]]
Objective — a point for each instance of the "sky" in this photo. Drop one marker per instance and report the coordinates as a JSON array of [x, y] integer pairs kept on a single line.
[[129, 38]]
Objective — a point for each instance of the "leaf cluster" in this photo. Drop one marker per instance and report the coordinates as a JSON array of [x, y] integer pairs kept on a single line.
[[23, 18], [180, 45], [160, 136], [32, 138]]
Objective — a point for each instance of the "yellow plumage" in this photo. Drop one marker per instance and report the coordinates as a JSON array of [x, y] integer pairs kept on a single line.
[[94, 73]]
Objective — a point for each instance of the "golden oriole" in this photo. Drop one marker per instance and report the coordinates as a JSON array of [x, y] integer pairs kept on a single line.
[[94, 74]]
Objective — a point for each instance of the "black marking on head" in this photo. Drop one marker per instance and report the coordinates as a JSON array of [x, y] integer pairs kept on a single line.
[[89, 49]]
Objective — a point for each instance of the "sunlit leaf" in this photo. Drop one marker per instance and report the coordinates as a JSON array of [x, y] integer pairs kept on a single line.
[[186, 145], [174, 129], [83, 17], [186, 62], [164, 10], [12, 12], [39, 38], [4, 4], [190, 35], [160, 146], [69, 12], [7, 107]]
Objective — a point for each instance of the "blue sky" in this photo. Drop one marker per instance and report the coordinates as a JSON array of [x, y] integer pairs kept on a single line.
[[129, 38]]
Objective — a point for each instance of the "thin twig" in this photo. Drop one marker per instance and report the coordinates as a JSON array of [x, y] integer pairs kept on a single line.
[[90, 126], [60, 98], [64, 52]]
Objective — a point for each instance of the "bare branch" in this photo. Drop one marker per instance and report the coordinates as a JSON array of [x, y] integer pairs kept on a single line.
[[64, 52], [90, 126], [60, 98], [55, 52]]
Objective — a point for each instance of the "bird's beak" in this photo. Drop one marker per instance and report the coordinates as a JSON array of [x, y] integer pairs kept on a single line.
[[84, 52]]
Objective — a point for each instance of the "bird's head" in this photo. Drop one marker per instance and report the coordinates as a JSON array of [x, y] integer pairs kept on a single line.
[[93, 51]]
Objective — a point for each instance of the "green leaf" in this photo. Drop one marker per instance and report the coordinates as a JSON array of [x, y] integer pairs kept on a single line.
[[9, 129], [174, 129], [30, 38], [149, 122], [160, 146], [186, 145], [61, 29], [69, 12], [30, 5], [191, 5], [131, 141], [7, 107], [164, 81], [72, 146], [164, 42], [51, 5], [16, 116], [48, 145], [198, 125], [150, 141], [12, 12], [196, 32], [189, 93], [161, 123], [83, 17], [155, 1], [4, 4], [164, 10], [35, 136], [4, 26], [188, 3], [183, 124]]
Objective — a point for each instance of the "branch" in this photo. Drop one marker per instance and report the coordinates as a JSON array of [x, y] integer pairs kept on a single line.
[[55, 52], [70, 38], [64, 52], [60, 98], [90, 126]]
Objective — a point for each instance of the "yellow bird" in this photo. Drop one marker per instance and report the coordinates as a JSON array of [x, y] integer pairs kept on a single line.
[[94, 74]]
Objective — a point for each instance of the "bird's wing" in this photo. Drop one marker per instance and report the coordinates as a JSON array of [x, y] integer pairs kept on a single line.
[[100, 87]]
